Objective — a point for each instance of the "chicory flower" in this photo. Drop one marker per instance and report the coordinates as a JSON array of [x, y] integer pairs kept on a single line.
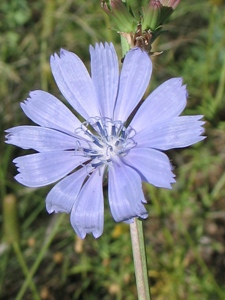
[[104, 146]]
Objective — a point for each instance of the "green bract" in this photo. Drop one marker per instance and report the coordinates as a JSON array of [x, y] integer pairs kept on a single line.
[[121, 15]]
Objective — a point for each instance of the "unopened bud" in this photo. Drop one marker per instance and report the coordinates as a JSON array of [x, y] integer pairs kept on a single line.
[[170, 3], [151, 15], [168, 9], [120, 14]]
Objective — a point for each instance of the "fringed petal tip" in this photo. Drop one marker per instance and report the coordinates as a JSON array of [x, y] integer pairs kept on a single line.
[[169, 186], [62, 52], [82, 230], [53, 57], [131, 220], [8, 136], [82, 233], [19, 178], [55, 209], [98, 46]]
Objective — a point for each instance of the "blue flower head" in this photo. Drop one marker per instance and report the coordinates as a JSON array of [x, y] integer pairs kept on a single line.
[[80, 155]]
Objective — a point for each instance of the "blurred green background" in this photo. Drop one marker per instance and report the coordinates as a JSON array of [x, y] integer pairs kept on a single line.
[[40, 255]]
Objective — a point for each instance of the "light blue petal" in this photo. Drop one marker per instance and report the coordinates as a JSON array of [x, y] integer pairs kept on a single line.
[[167, 101], [87, 215], [41, 169], [46, 110], [105, 76], [125, 193], [75, 84], [177, 132], [153, 166], [40, 138], [134, 79], [63, 195]]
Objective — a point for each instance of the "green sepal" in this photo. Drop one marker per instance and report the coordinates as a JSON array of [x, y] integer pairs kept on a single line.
[[121, 15], [166, 12], [151, 16]]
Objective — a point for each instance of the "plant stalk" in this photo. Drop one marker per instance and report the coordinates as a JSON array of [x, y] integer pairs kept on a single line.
[[140, 262]]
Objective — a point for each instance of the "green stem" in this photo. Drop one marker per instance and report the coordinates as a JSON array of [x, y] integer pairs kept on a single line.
[[140, 263], [124, 45]]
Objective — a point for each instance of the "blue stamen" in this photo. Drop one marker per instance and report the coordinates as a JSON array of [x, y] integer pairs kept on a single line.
[[113, 130]]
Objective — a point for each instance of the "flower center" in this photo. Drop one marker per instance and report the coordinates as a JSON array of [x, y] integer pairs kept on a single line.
[[106, 140]]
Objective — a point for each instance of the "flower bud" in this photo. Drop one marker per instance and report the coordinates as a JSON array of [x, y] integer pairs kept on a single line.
[[151, 15], [168, 9], [121, 15], [170, 3]]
